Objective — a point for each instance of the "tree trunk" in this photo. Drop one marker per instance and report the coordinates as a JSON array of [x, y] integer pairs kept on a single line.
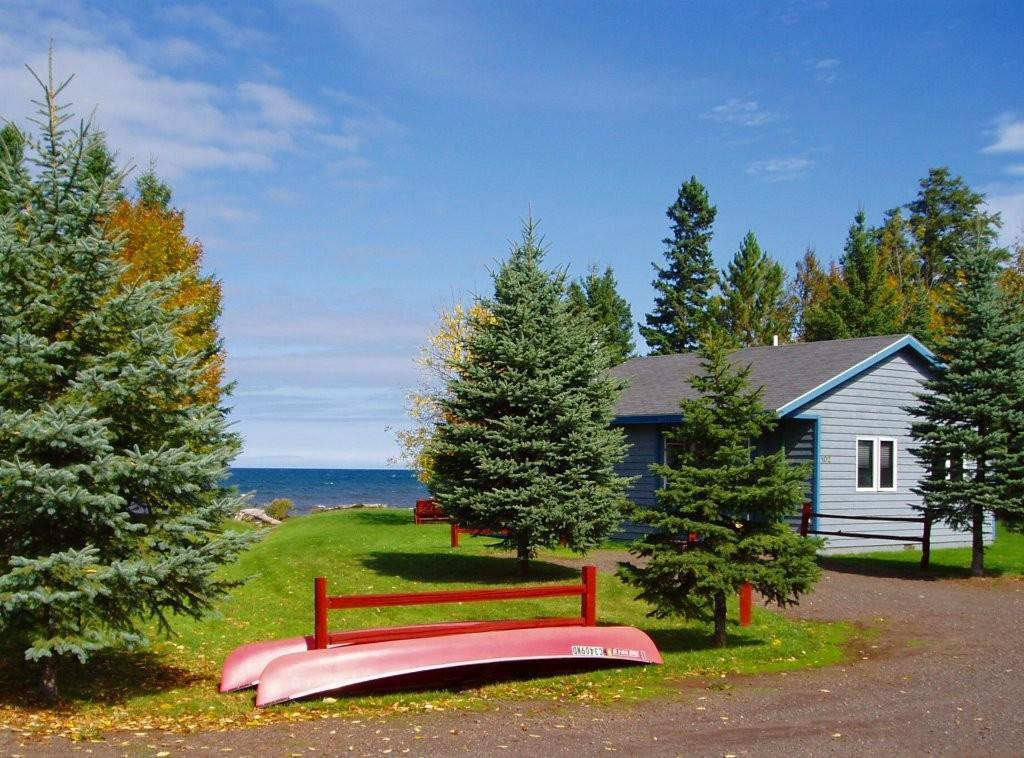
[[720, 618], [48, 679], [978, 542], [523, 556]]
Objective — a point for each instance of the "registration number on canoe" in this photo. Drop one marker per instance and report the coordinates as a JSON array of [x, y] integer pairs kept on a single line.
[[588, 650]]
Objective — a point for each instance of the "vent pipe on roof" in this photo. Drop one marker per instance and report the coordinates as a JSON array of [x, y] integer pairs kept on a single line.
[[775, 340]]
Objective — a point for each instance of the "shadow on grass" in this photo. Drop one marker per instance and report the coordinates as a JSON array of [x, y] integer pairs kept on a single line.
[[691, 639], [892, 568], [108, 679], [442, 568], [377, 516]]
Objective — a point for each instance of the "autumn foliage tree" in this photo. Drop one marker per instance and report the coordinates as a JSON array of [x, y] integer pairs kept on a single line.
[[438, 362], [156, 246]]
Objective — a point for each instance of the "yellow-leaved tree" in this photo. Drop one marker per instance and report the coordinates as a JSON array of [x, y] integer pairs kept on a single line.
[[437, 362], [155, 247]]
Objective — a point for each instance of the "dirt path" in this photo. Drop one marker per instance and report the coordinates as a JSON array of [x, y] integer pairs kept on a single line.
[[945, 677]]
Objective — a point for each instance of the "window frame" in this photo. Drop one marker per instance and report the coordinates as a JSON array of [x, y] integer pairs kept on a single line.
[[876, 463]]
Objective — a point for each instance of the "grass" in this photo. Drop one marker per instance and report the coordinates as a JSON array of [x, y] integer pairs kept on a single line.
[[1005, 557], [173, 685]]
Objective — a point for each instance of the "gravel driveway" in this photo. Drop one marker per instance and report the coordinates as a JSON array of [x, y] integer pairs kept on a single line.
[[944, 677]]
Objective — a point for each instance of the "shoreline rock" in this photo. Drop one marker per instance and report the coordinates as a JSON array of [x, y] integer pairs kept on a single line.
[[256, 514], [346, 507]]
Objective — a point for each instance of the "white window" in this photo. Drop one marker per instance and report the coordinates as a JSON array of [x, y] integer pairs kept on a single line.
[[876, 464]]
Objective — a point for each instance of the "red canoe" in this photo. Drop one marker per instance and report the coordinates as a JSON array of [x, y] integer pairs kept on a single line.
[[245, 663], [302, 673]]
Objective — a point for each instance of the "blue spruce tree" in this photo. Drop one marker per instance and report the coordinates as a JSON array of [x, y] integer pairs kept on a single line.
[[111, 510]]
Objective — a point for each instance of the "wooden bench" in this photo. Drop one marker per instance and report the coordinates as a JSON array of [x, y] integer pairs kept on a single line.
[[429, 512]]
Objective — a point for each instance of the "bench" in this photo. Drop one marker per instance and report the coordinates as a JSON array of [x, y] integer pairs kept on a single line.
[[429, 512]]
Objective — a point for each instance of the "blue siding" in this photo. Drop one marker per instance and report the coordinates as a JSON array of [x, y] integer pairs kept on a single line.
[[646, 442], [868, 405], [872, 405]]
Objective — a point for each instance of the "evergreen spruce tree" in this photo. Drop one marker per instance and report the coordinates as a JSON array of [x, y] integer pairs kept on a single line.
[[733, 501], [596, 296], [524, 442], [862, 302], [683, 299], [12, 159], [970, 432], [111, 509], [947, 216], [754, 304]]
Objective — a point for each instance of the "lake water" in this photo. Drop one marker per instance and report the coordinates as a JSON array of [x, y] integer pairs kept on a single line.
[[307, 487]]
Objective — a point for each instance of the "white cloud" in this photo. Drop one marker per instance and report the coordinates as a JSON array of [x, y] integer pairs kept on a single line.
[[227, 32], [186, 123], [1009, 135], [1008, 201], [276, 106], [1017, 169], [827, 70], [180, 50], [283, 195], [742, 112], [780, 169]]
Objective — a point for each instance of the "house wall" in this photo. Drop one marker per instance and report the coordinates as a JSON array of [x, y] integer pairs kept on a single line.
[[647, 447], [646, 443], [872, 405], [869, 405]]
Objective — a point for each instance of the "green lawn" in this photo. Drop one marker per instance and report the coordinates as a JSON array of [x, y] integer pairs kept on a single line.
[[173, 684], [1003, 558]]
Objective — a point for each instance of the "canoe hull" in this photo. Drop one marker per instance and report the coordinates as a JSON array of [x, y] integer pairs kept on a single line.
[[244, 664], [304, 673]]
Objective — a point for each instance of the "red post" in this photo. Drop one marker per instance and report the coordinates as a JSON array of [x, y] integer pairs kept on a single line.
[[320, 612], [455, 534], [805, 520], [589, 600], [746, 604]]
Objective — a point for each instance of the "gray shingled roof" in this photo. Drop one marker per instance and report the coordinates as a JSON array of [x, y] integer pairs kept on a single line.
[[657, 383]]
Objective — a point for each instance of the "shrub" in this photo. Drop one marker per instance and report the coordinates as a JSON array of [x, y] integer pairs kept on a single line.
[[280, 508]]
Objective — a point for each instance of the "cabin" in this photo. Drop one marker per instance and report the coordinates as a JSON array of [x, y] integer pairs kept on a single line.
[[841, 405]]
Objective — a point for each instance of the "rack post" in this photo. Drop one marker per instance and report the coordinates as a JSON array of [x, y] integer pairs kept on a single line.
[[746, 604], [320, 613], [455, 534], [805, 519], [589, 599], [926, 541]]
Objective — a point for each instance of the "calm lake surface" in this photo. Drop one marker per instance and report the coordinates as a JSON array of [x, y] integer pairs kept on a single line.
[[307, 487]]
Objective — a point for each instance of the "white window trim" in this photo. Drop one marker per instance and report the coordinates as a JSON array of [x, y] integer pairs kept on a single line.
[[876, 456]]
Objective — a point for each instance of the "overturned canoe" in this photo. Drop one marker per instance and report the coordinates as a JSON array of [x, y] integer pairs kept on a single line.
[[244, 664], [307, 672]]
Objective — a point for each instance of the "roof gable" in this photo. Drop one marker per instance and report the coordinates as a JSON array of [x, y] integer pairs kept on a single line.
[[792, 375]]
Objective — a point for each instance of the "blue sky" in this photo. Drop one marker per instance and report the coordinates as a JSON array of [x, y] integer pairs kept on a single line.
[[353, 167]]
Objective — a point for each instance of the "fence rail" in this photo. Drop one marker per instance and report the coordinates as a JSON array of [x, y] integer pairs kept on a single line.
[[807, 516], [322, 603]]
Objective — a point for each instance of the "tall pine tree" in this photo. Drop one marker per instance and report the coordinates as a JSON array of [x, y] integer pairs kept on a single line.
[[524, 442], [733, 501], [684, 287], [111, 509], [947, 216], [970, 432], [754, 304], [596, 296], [862, 302]]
